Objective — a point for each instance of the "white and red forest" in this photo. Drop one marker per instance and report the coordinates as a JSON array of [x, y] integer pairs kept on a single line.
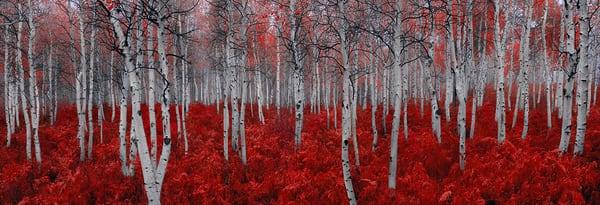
[[300, 101]]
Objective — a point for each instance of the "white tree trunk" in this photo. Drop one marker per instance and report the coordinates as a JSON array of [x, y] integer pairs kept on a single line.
[[153, 177], [81, 86], [22, 92], [525, 58], [111, 89], [567, 103], [397, 87], [7, 94], [346, 113], [372, 80], [278, 71], [435, 111], [151, 93], [123, 127], [258, 81], [90, 100], [583, 75], [242, 120], [548, 77], [298, 73], [33, 88], [233, 83], [500, 45]]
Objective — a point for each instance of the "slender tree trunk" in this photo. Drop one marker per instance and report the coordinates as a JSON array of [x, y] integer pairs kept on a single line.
[[346, 113], [22, 92], [278, 71], [548, 77], [572, 69], [123, 127], [500, 45], [151, 93], [233, 84], [90, 100], [242, 120], [81, 86], [335, 111], [583, 75], [111, 89], [372, 80], [525, 58], [258, 81], [398, 44], [353, 107], [7, 94]]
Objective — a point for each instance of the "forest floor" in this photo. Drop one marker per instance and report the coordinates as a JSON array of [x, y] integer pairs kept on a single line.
[[521, 171]]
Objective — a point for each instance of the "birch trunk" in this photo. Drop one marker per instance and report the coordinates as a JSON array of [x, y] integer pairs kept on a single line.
[[111, 89], [571, 71], [346, 113], [233, 84], [151, 93], [51, 91], [153, 178], [258, 81], [242, 120], [385, 99], [372, 75], [527, 65], [82, 85], [123, 127], [7, 94], [398, 44], [500, 45], [34, 97], [278, 71], [435, 111], [548, 78], [583, 75], [90, 100], [353, 107], [298, 76], [22, 92]]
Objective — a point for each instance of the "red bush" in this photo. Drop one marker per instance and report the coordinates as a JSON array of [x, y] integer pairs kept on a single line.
[[519, 172]]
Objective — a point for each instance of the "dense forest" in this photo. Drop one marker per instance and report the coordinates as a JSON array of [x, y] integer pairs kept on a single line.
[[300, 101]]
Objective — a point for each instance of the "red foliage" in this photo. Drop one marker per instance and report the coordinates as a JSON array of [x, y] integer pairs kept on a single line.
[[519, 172]]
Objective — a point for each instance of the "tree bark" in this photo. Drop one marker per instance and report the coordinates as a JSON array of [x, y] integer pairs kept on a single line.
[[583, 75]]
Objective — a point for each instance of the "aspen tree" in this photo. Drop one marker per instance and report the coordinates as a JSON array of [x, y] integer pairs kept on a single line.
[[298, 74], [582, 75], [346, 113], [7, 94], [33, 87], [548, 77], [257, 79], [81, 86], [525, 58], [21, 90], [500, 45], [90, 99], [151, 92], [435, 111], [570, 75], [372, 75], [397, 47]]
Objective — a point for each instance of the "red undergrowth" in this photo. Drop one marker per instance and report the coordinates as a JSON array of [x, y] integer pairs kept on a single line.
[[519, 172]]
